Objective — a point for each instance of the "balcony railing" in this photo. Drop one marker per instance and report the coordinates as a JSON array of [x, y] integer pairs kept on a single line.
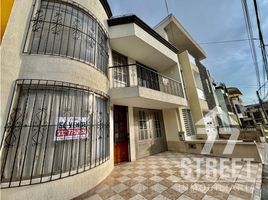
[[139, 75]]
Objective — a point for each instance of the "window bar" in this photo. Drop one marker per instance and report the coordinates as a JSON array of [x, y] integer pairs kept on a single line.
[[3, 165], [86, 139], [57, 25], [102, 132], [37, 11], [48, 127], [81, 128], [49, 26], [57, 125], [9, 111], [18, 143], [29, 132], [43, 24], [76, 29], [95, 57], [39, 127], [82, 34], [96, 130], [74, 129], [64, 139], [86, 42], [69, 32], [107, 132], [64, 18], [92, 128]]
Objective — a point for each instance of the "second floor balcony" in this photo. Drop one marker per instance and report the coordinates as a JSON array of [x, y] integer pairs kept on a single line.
[[138, 85]]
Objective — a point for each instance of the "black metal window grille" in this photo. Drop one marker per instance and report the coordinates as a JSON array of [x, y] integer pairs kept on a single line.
[[54, 130], [62, 28]]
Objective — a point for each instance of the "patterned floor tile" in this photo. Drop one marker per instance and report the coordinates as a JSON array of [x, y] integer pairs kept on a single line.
[[128, 193], [158, 188], [171, 194], [180, 187], [139, 188], [160, 177], [119, 188]]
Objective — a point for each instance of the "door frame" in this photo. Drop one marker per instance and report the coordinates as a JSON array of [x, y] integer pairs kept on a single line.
[[127, 134]]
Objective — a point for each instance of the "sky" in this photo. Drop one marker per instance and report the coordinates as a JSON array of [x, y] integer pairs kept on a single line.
[[211, 21]]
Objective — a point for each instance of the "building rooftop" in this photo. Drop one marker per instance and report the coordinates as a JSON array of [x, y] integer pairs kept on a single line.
[[180, 37]]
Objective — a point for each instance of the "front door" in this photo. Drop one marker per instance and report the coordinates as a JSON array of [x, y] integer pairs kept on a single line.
[[121, 137]]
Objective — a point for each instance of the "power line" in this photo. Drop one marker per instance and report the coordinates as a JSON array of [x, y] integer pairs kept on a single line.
[[250, 37], [262, 45], [228, 41]]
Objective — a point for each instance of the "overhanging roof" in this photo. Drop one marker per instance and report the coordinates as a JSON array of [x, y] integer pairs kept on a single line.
[[178, 36], [126, 19], [234, 90]]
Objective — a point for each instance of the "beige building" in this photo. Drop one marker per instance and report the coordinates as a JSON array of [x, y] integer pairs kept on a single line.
[[82, 91], [189, 53]]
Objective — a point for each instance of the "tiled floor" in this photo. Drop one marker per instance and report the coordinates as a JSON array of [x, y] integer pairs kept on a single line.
[[161, 177]]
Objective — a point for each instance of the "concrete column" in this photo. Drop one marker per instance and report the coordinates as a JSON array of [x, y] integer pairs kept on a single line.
[[172, 126], [193, 99], [132, 134]]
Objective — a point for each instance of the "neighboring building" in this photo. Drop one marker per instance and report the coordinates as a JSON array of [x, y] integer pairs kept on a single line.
[[227, 117], [238, 107], [189, 55], [207, 83], [257, 113]]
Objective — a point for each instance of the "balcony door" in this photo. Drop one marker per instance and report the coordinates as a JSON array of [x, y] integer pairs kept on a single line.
[[121, 136], [120, 78]]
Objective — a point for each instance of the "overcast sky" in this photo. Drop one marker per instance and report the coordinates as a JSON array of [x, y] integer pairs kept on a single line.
[[211, 21]]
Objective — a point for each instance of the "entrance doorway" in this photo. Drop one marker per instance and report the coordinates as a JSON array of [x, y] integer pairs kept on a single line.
[[121, 136]]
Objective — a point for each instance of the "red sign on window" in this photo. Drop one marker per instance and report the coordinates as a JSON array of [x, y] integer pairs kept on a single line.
[[71, 128]]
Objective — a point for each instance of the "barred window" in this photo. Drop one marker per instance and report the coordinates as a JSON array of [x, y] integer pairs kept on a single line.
[[143, 133], [54, 130], [63, 29]]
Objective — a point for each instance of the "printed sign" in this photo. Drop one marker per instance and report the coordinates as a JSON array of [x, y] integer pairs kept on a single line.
[[71, 128]]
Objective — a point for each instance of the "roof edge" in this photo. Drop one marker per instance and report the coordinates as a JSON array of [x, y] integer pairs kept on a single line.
[[107, 8], [172, 18], [126, 19]]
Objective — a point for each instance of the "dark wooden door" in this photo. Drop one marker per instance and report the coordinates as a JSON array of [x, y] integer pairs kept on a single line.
[[121, 137]]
